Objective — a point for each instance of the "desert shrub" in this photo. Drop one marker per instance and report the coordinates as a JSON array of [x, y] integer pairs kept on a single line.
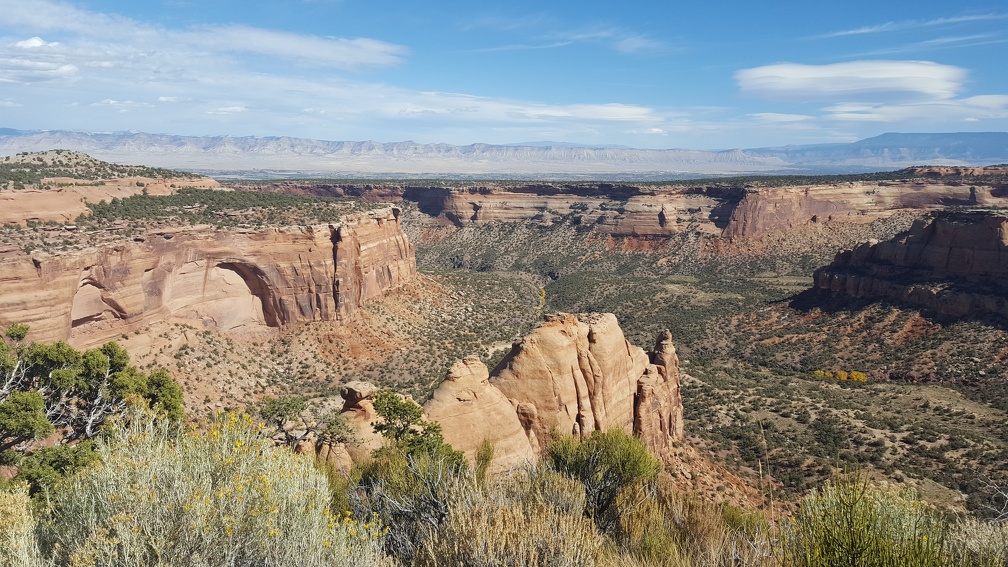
[[407, 493], [516, 520], [42, 468], [975, 542], [607, 463], [224, 496], [18, 547], [849, 521], [681, 529]]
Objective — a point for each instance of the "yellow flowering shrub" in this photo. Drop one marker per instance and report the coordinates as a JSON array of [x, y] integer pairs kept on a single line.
[[220, 496]]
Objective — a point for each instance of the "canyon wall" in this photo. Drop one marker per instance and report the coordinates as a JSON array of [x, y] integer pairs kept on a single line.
[[763, 211], [955, 264], [220, 279], [729, 210]]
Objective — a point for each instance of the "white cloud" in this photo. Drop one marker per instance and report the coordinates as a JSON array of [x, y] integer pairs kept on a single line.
[[10, 104], [779, 118], [123, 105], [228, 110], [972, 109], [136, 41], [340, 53], [25, 70], [35, 43], [853, 80]]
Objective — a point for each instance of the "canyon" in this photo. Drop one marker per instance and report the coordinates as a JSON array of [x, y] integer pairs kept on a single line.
[[732, 210]]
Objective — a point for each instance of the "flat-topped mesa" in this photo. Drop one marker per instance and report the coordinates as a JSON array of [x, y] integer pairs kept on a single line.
[[221, 279], [956, 264], [573, 375]]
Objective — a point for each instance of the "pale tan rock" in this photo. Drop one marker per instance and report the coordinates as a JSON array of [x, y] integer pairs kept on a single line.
[[219, 279], [471, 411], [335, 454], [658, 413], [572, 376], [358, 409]]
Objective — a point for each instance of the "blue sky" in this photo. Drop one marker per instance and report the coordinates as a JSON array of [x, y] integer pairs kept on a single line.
[[641, 74]]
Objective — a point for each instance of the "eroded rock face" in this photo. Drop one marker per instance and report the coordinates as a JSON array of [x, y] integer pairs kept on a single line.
[[769, 210], [470, 411], [658, 411], [577, 376], [956, 264], [223, 279]]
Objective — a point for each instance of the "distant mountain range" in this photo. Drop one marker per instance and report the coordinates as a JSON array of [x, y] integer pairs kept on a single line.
[[286, 156]]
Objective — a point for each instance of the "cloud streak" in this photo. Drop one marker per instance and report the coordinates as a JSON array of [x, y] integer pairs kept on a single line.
[[912, 24], [852, 80]]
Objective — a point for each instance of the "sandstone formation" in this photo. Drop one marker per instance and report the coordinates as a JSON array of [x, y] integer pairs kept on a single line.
[[579, 376], [956, 264], [223, 279], [358, 409], [769, 210], [472, 411], [652, 212]]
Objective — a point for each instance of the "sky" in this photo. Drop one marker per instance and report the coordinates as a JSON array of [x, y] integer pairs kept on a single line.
[[656, 74]]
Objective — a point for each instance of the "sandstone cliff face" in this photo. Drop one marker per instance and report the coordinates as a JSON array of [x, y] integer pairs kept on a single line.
[[223, 279], [470, 411], [765, 211], [579, 376], [956, 264]]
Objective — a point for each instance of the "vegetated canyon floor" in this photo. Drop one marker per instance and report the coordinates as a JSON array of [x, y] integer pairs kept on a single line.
[[933, 412]]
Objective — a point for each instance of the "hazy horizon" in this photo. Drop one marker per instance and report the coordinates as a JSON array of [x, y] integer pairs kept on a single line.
[[650, 76]]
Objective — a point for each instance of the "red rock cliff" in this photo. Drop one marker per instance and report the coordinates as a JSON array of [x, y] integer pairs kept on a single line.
[[956, 264], [225, 279]]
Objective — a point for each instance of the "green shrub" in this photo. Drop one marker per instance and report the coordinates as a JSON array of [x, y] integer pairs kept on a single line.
[[224, 496], [407, 493], [607, 463], [849, 521]]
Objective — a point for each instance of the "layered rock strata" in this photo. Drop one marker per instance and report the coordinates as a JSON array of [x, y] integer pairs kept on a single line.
[[223, 279], [956, 265], [766, 211], [729, 210]]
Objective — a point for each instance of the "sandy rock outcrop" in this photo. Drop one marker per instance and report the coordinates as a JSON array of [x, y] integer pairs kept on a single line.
[[470, 411], [577, 376], [956, 264], [658, 410], [358, 409], [221, 279]]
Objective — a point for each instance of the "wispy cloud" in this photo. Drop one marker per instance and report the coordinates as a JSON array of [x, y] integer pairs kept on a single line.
[[852, 80], [543, 31], [913, 24], [950, 42], [123, 37]]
